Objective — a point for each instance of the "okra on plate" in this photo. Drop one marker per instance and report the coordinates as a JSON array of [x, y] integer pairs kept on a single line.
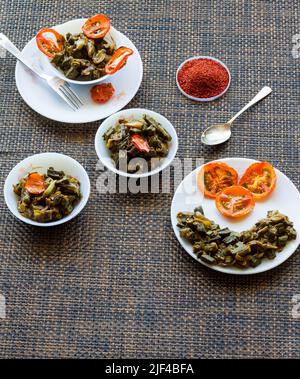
[[217, 246]]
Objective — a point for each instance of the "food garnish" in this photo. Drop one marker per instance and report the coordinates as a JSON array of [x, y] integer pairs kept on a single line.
[[35, 184], [144, 138], [49, 197], [203, 78], [118, 60], [103, 92], [97, 26], [50, 42], [260, 179], [223, 247], [235, 201], [219, 180], [214, 177], [140, 143]]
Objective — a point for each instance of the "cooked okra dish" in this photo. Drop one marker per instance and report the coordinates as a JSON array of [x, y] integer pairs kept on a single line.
[[143, 138], [88, 55], [216, 246], [83, 58], [49, 197]]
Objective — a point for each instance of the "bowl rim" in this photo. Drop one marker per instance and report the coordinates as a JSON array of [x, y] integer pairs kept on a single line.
[[61, 74], [80, 206], [168, 159], [203, 99]]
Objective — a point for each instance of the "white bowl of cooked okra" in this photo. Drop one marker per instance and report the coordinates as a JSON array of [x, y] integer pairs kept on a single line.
[[136, 143], [47, 189], [83, 60]]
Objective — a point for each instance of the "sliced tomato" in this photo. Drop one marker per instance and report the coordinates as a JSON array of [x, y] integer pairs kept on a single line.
[[97, 26], [118, 60], [101, 93], [214, 177], [49, 41], [140, 143], [35, 184], [235, 201], [260, 179]]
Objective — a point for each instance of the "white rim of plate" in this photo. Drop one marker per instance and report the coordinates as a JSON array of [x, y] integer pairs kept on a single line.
[[203, 99]]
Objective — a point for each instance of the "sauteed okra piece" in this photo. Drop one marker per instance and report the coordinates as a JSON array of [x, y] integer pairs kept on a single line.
[[224, 247], [49, 197]]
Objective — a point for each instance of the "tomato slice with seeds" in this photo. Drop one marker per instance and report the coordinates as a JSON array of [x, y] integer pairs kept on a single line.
[[35, 183], [235, 201], [97, 26], [260, 179], [49, 41], [118, 60], [101, 93], [140, 143], [214, 177]]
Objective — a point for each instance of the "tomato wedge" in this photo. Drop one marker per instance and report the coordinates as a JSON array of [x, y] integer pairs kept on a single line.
[[49, 41], [260, 179], [101, 93], [216, 176], [97, 26], [35, 184], [118, 60], [235, 201], [140, 143]]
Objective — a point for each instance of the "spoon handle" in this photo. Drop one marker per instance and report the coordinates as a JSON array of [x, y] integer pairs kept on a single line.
[[261, 95]]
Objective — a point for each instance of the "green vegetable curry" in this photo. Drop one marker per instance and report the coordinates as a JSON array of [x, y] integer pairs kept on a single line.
[[224, 247], [45, 198], [84, 58], [144, 138]]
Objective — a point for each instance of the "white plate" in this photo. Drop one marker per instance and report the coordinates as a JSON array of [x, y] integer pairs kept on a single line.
[[285, 198], [134, 114], [44, 100]]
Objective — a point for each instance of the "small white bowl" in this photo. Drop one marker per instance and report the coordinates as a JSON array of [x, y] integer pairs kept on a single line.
[[74, 27], [204, 99], [131, 114], [41, 162]]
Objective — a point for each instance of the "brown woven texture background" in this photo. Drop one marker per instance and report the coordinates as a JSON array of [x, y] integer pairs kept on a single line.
[[114, 282]]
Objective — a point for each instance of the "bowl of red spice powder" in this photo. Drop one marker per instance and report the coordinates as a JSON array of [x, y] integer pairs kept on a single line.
[[203, 78]]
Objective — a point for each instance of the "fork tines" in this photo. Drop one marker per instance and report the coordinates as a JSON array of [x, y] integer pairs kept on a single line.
[[68, 92]]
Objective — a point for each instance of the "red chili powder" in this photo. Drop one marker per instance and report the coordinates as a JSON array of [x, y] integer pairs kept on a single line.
[[203, 78]]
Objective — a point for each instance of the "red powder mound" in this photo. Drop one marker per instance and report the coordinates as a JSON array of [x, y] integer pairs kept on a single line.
[[203, 78]]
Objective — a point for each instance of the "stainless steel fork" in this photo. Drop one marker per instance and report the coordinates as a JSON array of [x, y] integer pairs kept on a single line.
[[61, 87]]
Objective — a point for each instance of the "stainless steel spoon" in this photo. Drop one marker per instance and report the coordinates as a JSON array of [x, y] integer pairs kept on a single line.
[[220, 133]]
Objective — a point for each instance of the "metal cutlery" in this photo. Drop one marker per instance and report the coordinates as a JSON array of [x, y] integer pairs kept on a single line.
[[60, 86]]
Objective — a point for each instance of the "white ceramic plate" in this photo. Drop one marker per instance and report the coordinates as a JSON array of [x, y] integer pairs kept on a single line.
[[285, 198], [40, 163], [134, 114], [43, 100]]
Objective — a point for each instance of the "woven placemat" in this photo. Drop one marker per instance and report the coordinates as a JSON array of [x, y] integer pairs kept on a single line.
[[114, 282]]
